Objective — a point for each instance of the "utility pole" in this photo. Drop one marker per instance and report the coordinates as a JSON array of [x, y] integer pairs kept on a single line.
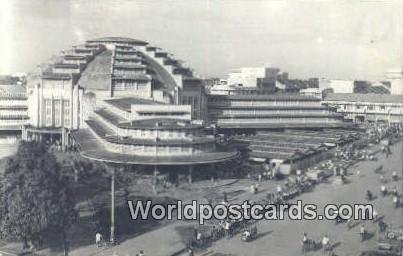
[[112, 236]]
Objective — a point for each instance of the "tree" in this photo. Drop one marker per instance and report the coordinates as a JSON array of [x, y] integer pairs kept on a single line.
[[34, 196]]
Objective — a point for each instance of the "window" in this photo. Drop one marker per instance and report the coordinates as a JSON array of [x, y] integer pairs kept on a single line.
[[67, 121]]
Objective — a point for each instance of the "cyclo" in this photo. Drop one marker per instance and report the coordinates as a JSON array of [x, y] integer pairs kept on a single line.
[[249, 234], [391, 240]]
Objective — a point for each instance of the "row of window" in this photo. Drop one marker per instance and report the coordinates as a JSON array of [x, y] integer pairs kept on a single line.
[[283, 111], [151, 150], [120, 86], [370, 107], [57, 112], [277, 120], [264, 103], [141, 133], [128, 72]]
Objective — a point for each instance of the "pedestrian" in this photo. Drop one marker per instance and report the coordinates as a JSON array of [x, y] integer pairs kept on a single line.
[[195, 232], [98, 239], [141, 253], [394, 191], [396, 201], [375, 215], [198, 236], [383, 190], [253, 189], [382, 226], [362, 232], [304, 238], [394, 175], [225, 197], [325, 243]]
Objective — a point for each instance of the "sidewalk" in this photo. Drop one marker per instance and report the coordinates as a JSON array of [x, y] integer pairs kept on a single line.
[[161, 242]]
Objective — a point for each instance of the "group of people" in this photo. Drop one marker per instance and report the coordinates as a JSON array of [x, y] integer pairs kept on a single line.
[[225, 228], [390, 191], [311, 245]]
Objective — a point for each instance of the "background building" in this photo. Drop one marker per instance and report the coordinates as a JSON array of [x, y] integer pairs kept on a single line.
[[275, 111], [342, 86], [258, 77], [13, 107], [395, 77], [367, 107]]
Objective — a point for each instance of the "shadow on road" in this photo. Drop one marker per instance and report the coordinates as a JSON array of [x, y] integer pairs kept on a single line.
[[260, 235]]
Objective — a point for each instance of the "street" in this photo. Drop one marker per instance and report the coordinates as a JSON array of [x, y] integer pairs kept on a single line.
[[283, 237]]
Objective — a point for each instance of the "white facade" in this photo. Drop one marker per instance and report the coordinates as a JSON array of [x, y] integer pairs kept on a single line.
[[247, 76], [315, 92], [324, 83], [55, 103], [395, 77], [342, 86], [13, 107], [362, 108]]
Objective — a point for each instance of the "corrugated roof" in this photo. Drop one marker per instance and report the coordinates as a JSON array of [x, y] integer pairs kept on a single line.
[[17, 89], [364, 97]]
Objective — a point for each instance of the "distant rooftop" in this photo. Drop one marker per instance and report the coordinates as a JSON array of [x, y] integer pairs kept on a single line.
[[57, 76], [126, 103], [12, 89], [364, 97], [117, 40]]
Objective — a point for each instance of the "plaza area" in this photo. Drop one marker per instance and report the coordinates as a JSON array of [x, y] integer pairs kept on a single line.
[[274, 237]]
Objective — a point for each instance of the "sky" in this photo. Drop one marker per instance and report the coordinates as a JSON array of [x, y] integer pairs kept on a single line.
[[307, 38]]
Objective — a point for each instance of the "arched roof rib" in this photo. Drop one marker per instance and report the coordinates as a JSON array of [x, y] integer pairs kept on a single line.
[[161, 73], [112, 39]]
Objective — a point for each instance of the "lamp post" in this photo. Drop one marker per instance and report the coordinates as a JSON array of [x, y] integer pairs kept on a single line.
[[112, 235]]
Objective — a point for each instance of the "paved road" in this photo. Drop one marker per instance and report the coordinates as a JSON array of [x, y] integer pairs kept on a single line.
[[283, 237], [280, 237]]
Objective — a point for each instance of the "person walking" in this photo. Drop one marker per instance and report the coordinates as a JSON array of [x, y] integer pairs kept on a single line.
[[326, 243], [362, 233], [98, 239]]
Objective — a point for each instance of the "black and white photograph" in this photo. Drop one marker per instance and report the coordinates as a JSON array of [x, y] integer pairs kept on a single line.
[[201, 127]]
